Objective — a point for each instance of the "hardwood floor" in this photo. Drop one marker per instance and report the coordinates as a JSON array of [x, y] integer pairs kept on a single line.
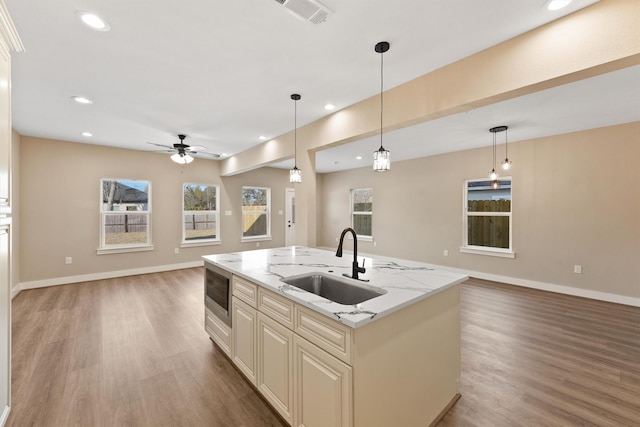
[[534, 358], [133, 352], [125, 352]]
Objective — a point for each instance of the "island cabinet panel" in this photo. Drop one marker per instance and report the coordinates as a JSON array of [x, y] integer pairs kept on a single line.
[[275, 362], [407, 364], [243, 347], [322, 387], [218, 331]]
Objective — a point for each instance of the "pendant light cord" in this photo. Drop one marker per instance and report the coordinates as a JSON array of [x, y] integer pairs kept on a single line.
[[381, 94], [295, 133]]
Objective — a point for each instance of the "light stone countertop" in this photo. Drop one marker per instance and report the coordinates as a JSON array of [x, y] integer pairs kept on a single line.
[[406, 282]]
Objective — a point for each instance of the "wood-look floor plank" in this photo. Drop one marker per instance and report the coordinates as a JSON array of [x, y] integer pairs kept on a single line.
[[132, 352]]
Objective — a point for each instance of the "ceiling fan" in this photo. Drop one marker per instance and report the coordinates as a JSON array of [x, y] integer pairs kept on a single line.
[[182, 152]]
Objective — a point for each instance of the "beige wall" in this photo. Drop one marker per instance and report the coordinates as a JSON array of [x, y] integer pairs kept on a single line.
[[59, 212], [575, 201]]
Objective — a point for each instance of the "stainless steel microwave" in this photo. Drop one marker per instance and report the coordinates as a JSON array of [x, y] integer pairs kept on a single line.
[[217, 298]]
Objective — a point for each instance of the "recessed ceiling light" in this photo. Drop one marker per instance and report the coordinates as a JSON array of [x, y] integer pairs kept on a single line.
[[87, 134], [358, 157], [556, 4], [94, 21], [329, 107], [262, 137], [82, 100]]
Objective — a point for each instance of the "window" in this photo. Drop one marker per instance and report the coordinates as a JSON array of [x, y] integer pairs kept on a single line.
[[487, 218], [256, 203], [199, 214], [362, 211], [125, 209]]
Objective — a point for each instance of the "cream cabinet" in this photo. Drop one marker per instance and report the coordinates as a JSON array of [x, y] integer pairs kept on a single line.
[[274, 372], [244, 353], [322, 387], [219, 332], [402, 369]]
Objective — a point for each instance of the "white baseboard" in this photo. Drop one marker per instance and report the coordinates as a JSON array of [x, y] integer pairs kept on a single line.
[[561, 289], [101, 276], [5, 415], [551, 287]]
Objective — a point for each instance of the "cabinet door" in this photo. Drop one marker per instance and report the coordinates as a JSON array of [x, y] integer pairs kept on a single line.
[[275, 365], [322, 387], [243, 343]]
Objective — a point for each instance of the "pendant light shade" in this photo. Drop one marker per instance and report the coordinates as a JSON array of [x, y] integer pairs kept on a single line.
[[381, 157], [295, 174]]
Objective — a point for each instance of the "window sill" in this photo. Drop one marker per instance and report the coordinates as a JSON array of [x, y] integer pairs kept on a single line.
[[194, 244], [122, 250], [255, 239], [477, 250]]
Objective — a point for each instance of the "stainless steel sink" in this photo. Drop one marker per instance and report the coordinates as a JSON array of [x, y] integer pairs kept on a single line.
[[336, 289]]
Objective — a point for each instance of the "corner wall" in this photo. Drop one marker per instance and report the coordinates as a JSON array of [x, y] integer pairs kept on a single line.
[[575, 201]]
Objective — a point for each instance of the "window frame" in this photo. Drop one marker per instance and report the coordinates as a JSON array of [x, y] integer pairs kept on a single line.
[[363, 237], [262, 237], [184, 243], [104, 248], [485, 250]]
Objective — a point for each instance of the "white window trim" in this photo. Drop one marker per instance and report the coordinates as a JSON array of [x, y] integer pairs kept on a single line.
[[202, 242], [264, 237], [119, 249], [485, 250], [363, 237]]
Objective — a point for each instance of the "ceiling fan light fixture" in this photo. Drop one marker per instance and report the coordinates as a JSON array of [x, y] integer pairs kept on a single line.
[[182, 158]]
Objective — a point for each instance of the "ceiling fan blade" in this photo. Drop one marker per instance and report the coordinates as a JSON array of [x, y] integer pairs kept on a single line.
[[194, 148], [161, 145]]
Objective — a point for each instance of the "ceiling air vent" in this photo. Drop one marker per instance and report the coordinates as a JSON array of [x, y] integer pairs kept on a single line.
[[308, 10]]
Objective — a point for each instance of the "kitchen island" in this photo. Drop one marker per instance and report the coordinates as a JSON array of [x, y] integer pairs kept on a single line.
[[390, 360]]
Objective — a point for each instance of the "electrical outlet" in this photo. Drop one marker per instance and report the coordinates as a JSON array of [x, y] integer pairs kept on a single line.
[[257, 244], [68, 260], [176, 251], [445, 252], [227, 213], [375, 243], [577, 269]]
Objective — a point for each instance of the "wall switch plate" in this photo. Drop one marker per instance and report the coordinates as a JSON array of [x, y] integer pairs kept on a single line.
[[68, 260], [176, 251], [227, 213], [280, 212], [445, 252], [577, 269]]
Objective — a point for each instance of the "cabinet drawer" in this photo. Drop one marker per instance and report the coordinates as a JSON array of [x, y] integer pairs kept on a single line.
[[218, 331], [331, 336], [276, 307], [246, 291]]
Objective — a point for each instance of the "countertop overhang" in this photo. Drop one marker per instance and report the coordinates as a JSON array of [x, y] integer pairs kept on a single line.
[[406, 282]]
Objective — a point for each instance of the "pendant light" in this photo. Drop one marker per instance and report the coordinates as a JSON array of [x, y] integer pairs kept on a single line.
[[493, 176], [295, 174], [506, 164], [381, 157]]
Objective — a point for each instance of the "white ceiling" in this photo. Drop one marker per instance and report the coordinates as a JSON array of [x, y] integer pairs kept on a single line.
[[222, 72]]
